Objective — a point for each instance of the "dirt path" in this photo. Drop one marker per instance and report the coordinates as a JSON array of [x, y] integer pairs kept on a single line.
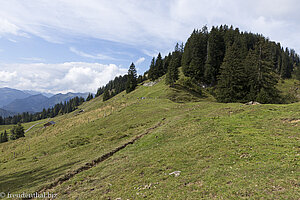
[[93, 163], [34, 126]]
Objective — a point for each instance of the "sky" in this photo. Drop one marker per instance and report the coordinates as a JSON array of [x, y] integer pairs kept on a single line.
[[79, 45]]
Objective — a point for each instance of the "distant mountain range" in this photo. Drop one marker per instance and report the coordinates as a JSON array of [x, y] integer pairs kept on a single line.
[[7, 95], [14, 101], [5, 113], [32, 92]]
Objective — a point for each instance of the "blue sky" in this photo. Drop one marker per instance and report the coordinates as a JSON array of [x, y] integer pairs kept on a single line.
[[79, 45]]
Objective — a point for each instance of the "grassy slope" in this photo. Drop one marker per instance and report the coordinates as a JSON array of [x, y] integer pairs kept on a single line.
[[222, 150], [25, 125], [290, 87]]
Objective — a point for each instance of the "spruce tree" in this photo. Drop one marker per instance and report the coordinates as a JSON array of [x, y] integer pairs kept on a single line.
[[131, 81], [194, 55], [181, 48], [106, 95], [232, 80], [261, 76], [17, 132], [297, 73], [5, 136], [152, 71], [159, 66], [89, 97], [215, 56], [286, 64], [172, 74], [166, 62]]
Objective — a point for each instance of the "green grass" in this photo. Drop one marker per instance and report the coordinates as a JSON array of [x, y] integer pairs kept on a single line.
[[250, 153], [26, 126], [224, 151], [290, 88], [5, 127]]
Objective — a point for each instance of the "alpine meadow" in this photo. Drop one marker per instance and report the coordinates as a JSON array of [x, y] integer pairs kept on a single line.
[[216, 117]]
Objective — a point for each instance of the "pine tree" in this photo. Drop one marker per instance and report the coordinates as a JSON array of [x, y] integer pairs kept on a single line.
[[17, 132], [297, 73], [194, 55], [159, 66], [181, 48], [89, 97], [177, 48], [140, 79], [261, 77], [166, 62], [4, 137], [106, 95], [231, 85], [131, 81], [215, 56], [172, 74], [152, 74], [286, 64]]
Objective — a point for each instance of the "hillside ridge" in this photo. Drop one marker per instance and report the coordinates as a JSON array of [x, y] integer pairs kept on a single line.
[[102, 158]]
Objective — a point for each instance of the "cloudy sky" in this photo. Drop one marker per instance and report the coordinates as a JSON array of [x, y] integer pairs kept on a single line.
[[79, 45]]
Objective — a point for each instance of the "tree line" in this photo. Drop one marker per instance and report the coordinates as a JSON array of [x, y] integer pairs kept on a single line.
[[15, 133], [126, 82], [237, 66], [242, 66]]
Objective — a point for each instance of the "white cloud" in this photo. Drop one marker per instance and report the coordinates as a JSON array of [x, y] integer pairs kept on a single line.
[[97, 56], [61, 77], [153, 23], [139, 61], [7, 27], [6, 76], [150, 53], [12, 40], [34, 59]]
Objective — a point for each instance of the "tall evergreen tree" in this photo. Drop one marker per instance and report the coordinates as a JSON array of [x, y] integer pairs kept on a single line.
[[261, 76], [89, 97], [106, 95], [286, 64], [231, 84], [159, 66], [181, 48], [215, 56], [172, 74], [194, 55], [17, 132], [166, 62], [131, 81], [140, 79], [297, 73], [152, 74]]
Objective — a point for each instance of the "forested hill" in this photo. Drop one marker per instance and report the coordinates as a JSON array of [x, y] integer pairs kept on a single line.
[[243, 66], [236, 66]]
